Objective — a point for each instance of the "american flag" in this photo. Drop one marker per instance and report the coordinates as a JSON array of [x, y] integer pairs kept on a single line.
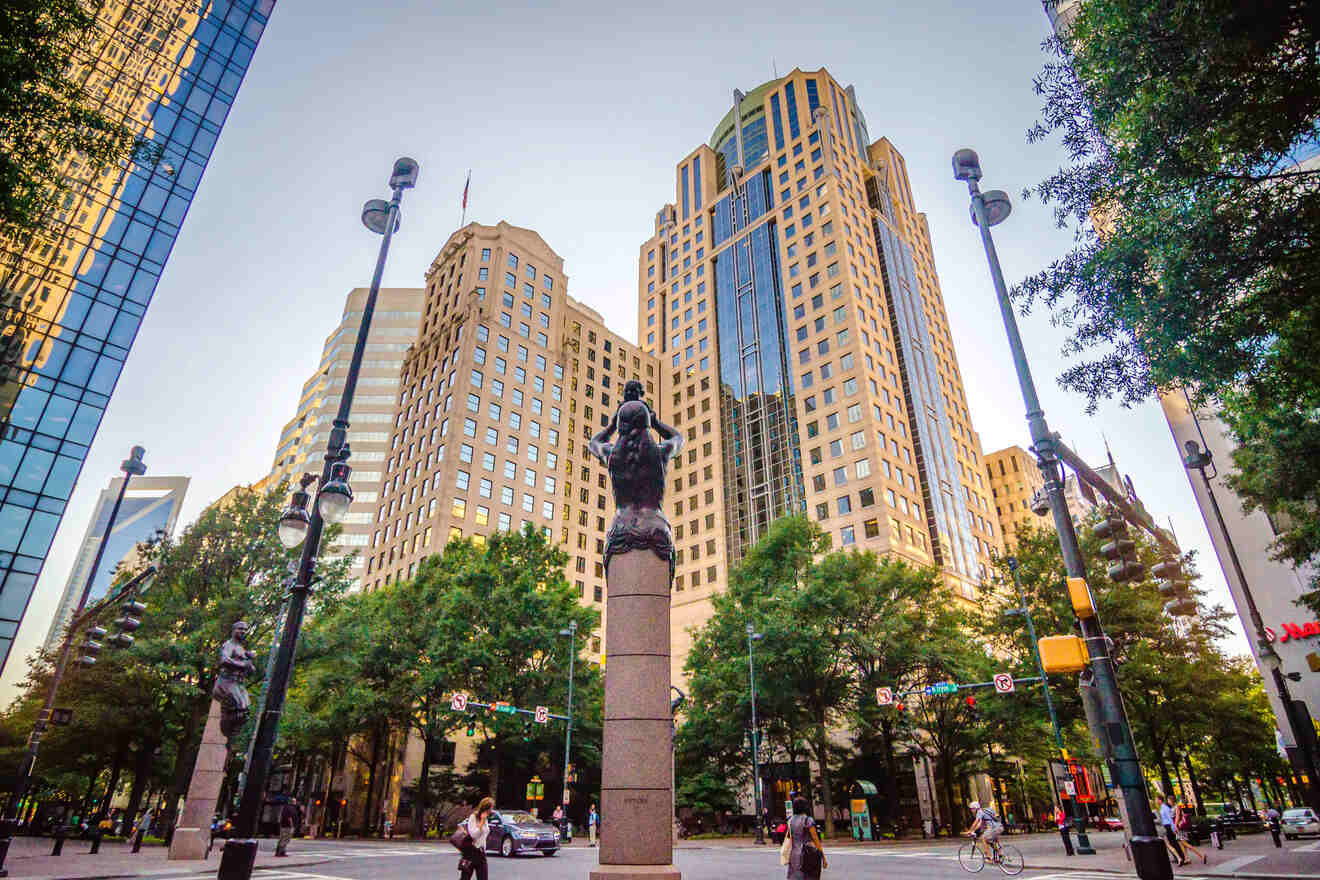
[[465, 189]]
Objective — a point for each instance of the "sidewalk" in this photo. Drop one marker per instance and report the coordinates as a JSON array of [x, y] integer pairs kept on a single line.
[[30, 859], [1251, 857]]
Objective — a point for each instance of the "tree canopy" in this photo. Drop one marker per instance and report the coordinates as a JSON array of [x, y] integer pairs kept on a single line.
[[1195, 262]]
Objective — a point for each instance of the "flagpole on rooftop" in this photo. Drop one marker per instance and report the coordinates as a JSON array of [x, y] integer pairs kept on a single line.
[[462, 219]]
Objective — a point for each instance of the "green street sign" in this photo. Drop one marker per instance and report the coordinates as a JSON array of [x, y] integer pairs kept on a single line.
[[943, 687]]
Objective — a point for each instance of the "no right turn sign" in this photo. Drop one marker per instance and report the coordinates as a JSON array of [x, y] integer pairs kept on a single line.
[[884, 696], [1003, 683]]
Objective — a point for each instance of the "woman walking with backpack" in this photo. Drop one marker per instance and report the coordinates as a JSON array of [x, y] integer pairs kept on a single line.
[[805, 855]]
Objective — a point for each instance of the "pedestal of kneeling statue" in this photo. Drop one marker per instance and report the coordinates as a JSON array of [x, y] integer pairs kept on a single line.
[[192, 836], [637, 797]]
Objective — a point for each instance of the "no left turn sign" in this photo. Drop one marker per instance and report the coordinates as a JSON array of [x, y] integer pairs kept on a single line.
[[884, 696], [1003, 683], [542, 714], [458, 702]]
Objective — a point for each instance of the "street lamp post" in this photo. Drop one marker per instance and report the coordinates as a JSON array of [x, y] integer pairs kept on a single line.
[[1113, 731], [754, 636], [132, 467], [571, 634], [1200, 460], [333, 499], [1079, 820]]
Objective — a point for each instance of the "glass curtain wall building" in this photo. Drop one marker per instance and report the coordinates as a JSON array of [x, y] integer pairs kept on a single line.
[[74, 295], [789, 293]]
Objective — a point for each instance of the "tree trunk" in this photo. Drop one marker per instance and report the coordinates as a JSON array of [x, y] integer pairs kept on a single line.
[[954, 816], [104, 808], [141, 774], [85, 805], [1196, 786], [891, 771], [371, 780], [419, 802], [826, 790], [1165, 779]]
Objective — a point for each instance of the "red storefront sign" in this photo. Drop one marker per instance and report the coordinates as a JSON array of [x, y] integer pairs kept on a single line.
[[1299, 630]]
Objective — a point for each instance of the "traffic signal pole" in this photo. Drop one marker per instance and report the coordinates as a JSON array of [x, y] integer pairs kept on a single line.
[[132, 466], [1079, 819], [1112, 732]]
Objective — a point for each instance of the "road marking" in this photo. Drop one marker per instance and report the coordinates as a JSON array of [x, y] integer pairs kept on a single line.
[[1310, 847], [1233, 864]]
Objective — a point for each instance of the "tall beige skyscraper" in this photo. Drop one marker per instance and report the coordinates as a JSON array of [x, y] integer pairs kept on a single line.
[[789, 293], [301, 447], [508, 379]]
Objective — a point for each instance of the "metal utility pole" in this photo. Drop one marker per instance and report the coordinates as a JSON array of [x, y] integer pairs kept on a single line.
[[571, 633], [1079, 819], [1114, 733], [132, 467], [754, 636]]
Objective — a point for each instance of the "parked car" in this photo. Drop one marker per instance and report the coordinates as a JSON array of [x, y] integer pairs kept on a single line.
[[1299, 821], [1109, 823], [517, 831]]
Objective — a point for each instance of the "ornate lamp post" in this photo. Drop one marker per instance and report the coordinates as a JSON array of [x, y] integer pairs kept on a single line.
[[298, 526], [753, 636], [1113, 731]]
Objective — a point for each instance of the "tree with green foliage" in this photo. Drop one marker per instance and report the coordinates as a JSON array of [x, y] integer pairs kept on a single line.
[[1195, 264], [834, 625], [48, 114]]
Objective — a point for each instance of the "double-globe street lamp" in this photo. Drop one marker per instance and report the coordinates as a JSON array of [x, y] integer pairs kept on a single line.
[[296, 526], [132, 466], [1112, 731]]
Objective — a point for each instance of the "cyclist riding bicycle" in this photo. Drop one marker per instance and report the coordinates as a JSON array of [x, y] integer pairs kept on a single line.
[[986, 828]]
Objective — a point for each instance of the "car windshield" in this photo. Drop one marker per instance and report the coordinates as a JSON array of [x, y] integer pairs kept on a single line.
[[1303, 813], [517, 817]]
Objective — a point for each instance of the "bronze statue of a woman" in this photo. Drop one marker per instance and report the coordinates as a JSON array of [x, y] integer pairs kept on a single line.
[[637, 466], [235, 667]]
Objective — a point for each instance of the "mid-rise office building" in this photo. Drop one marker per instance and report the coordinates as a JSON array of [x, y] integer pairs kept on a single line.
[[1014, 481], [302, 442], [150, 510], [790, 296], [74, 294]]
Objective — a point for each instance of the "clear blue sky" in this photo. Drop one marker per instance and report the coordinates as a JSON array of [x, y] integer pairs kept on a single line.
[[572, 117]]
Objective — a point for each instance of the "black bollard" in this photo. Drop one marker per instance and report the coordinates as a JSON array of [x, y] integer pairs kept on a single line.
[[96, 843], [137, 840], [59, 842]]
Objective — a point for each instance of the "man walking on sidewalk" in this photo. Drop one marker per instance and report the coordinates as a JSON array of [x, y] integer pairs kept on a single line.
[[593, 819], [1061, 819], [1166, 819], [1275, 822], [288, 819]]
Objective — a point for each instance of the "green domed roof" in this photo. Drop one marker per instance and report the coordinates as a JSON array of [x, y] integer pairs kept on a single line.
[[755, 98]]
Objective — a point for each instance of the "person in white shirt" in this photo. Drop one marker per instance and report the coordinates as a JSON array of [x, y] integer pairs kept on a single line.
[[474, 854], [1170, 834]]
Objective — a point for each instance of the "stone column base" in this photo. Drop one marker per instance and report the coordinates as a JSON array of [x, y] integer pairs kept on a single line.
[[189, 843], [635, 872]]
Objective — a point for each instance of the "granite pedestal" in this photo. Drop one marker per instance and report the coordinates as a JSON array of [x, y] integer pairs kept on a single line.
[[637, 797], [193, 834]]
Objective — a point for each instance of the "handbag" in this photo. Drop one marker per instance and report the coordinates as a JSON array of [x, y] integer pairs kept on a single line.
[[786, 848], [812, 860], [461, 839]]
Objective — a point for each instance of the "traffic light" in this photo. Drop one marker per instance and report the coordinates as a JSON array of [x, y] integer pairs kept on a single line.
[[972, 711], [472, 725], [527, 731], [900, 709], [1120, 550], [128, 624], [1174, 587], [91, 646]]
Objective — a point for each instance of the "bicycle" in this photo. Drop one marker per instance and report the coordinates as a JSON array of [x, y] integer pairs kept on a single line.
[[971, 858]]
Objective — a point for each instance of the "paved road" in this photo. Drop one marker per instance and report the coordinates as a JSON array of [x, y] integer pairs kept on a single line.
[[410, 860]]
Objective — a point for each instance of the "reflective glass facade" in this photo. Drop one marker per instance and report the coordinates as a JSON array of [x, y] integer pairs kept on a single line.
[[762, 464], [74, 296]]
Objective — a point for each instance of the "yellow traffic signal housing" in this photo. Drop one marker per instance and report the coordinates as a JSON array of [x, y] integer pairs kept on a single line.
[[1063, 654], [1080, 594]]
